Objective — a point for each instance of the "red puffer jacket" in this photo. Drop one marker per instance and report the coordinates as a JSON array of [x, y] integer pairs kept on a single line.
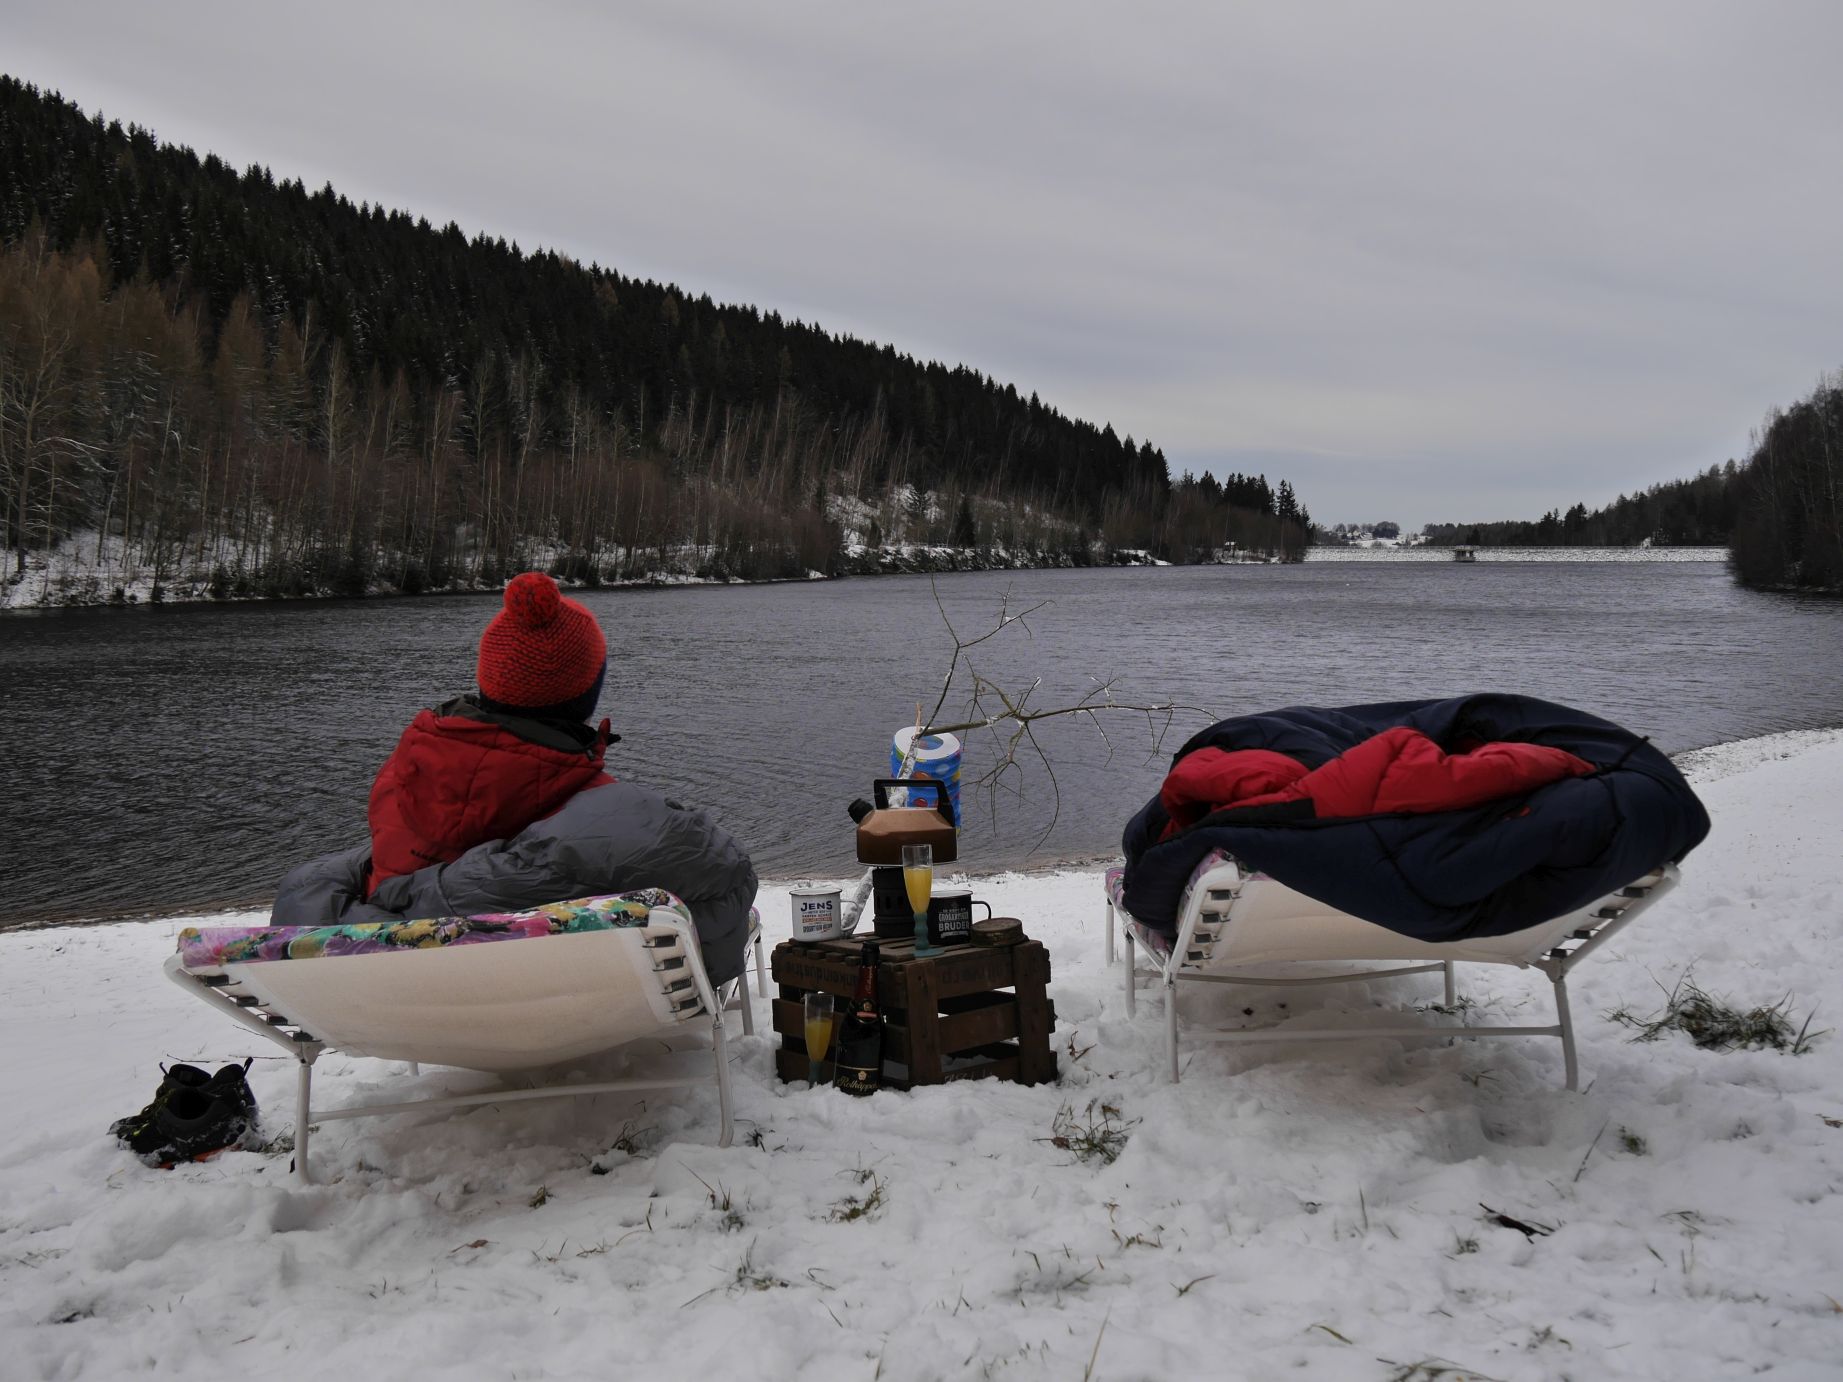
[[1400, 769], [463, 775]]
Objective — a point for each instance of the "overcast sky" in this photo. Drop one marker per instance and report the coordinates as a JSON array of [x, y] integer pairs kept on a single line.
[[1429, 261]]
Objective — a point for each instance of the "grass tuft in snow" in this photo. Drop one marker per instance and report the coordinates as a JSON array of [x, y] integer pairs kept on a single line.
[[1717, 1025], [749, 1278], [631, 1139], [1097, 1133], [1461, 1007], [1434, 1370], [854, 1207], [1154, 1239], [628, 1144]]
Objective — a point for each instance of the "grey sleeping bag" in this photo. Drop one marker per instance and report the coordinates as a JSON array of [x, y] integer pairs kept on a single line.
[[606, 840]]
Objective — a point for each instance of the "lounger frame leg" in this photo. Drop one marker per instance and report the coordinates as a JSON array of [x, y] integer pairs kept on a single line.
[[1452, 989], [739, 995], [303, 1114], [1565, 1020], [1171, 1024], [1131, 993], [1110, 930], [737, 990], [719, 1043]]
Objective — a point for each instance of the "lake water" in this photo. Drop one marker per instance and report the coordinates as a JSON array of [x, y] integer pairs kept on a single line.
[[165, 760]]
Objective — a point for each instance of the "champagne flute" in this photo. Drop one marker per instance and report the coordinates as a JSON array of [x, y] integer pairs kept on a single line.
[[918, 878], [819, 1013]]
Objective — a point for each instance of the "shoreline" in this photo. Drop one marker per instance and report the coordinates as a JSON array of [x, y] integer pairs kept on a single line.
[[905, 560], [1701, 766]]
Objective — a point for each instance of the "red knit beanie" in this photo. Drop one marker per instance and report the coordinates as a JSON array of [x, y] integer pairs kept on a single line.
[[542, 649]]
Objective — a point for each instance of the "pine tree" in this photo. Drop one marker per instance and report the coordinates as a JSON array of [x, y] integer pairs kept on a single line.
[[965, 532], [1286, 507]]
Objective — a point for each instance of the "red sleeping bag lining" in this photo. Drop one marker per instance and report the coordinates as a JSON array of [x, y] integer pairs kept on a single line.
[[1398, 770]]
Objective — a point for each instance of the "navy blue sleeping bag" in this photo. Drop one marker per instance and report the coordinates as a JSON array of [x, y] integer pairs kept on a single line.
[[1441, 875]]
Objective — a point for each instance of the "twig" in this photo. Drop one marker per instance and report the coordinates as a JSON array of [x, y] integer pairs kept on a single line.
[[1088, 1372], [1009, 715], [1528, 1229], [1590, 1146]]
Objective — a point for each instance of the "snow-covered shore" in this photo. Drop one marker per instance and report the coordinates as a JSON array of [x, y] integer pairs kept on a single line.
[[83, 571], [1313, 1209]]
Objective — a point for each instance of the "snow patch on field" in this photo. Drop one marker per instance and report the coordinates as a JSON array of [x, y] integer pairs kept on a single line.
[[1325, 1210]]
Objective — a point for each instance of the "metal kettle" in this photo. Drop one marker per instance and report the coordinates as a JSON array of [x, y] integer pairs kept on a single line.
[[884, 829]]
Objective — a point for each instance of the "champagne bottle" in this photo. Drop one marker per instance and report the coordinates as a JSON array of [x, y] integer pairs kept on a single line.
[[859, 1059]]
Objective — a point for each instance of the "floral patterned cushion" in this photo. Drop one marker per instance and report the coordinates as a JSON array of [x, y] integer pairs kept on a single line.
[[215, 946]]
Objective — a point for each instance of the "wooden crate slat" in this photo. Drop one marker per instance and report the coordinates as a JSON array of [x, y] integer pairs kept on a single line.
[[922, 1005], [1036, 1062], [832, 965], [980, 1026]]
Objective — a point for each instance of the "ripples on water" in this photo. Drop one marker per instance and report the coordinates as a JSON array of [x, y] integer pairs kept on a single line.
[[166, 759]]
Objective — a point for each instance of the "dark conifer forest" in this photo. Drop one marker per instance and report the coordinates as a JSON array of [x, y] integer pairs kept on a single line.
[[1779, 513], [1788, 532], [218, 377], [1698, 512]]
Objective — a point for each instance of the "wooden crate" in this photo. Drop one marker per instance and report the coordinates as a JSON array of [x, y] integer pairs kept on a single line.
[[969, 1013]]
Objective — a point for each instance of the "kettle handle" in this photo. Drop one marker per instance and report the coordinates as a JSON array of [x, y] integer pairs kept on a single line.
[[942, 802]]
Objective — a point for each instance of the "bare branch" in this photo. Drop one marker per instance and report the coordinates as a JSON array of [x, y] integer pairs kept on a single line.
[[1010, 717]]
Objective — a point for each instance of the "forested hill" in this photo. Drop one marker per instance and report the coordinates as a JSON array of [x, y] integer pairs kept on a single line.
[[1779, 512], [1698, 512], [387, 394]]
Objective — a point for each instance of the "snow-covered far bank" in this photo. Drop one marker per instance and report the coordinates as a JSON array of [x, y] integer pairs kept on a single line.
[[1315, 1210], [83, 572], [1425, 552]]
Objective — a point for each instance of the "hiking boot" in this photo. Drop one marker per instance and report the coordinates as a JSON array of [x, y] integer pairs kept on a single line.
[[230, 1085], [192, 1125], [191, 1115], [138, 1128]]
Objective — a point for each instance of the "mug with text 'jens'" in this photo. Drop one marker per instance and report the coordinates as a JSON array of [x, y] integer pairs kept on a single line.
[[818, 914]]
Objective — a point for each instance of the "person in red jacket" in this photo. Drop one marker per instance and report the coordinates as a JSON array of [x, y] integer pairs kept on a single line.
[[484, 766]]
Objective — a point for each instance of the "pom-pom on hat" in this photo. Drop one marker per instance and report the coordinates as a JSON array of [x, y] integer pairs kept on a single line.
[[543, 651]]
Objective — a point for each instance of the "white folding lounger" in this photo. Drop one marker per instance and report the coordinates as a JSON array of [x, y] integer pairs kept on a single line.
[[1232, 920], [558, 983]]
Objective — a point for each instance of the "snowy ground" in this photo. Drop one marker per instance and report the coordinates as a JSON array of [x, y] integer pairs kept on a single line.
[[1312, 1210]]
